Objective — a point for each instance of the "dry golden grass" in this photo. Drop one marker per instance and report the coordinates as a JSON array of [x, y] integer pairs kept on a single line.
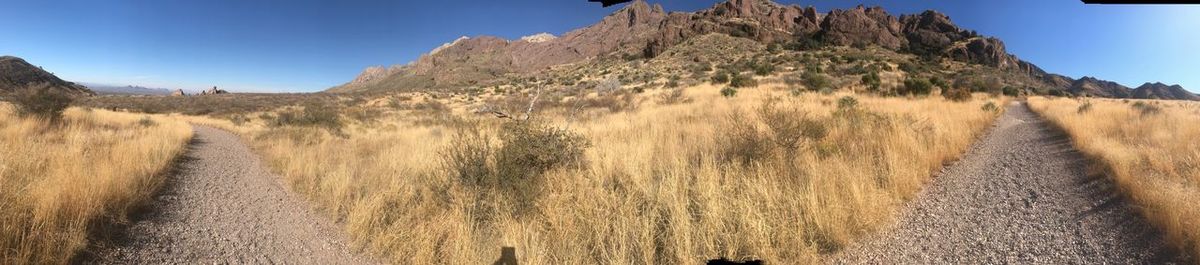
[[655, 188], [58, 183], [1148, 148]]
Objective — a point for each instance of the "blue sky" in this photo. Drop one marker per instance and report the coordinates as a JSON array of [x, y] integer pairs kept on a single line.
[[305, 46]]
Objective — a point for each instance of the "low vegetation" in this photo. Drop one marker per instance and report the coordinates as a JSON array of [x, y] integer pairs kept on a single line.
[[1148, 148], [59, 181], [763, 175]]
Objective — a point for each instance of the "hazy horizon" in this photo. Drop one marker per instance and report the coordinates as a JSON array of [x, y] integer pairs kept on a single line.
[[309, 46]]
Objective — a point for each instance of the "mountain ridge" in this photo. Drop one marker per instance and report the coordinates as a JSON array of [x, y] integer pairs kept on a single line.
[[642, 29], [17, 74]]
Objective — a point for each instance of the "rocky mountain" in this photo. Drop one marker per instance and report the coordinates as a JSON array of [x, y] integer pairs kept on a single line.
[[126, 90], [641, 30], [16, 74], [469, 60], [1162, 91], [1099, 88]]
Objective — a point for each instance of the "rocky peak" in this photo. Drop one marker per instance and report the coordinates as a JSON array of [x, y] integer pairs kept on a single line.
[[639, 12], [538, 38], [862, 26], [448, 44]]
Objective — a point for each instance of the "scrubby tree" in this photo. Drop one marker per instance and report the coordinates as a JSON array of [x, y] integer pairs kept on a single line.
[[742, 80], [872, 81], [917, 86], [720, 77], [41, 102]]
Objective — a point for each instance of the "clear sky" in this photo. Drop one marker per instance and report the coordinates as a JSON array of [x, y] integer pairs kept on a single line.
[[304, 46]]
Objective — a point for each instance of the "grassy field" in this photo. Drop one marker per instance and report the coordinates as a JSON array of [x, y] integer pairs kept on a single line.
[[59, 182], [763, 175], [1148, 148]]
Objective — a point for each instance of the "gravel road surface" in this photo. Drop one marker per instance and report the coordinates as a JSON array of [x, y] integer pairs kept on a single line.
[[1021, 195], [223, 206]]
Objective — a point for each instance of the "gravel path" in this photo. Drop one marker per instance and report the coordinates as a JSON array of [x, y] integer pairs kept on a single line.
[[222, 206], [1021, 195]]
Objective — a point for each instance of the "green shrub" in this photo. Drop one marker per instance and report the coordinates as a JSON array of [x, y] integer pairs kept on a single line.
[[728, 92], [815, 81], [741, 80], [872, 81], [1011, 91], [764, 68], [990, 107], [847, 103], [720, 77], [917, 86]]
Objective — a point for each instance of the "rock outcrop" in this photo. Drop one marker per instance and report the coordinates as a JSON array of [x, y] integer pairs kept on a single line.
[[862, 26], [931, 32], [17, 74], [213, 91]]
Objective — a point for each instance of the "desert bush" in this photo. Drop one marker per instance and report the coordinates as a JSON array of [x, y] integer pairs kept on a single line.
[[1146, 109], [741, 142], [990, 107], [515, 168], [1011, 91], [789, 128], [1084, 108], [145, 121], [674, 97], [742, 80], [763, 68], [813, 68], [41, 102], [872, 81], [238, 119], [847, 103], [720, 77], [311, 115], [917, 86], [815, 81], [956, 94], [728, 92], [939, 82]]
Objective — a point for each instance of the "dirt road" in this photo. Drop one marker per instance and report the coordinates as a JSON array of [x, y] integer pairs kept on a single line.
[[223, 206], [1021, 195]]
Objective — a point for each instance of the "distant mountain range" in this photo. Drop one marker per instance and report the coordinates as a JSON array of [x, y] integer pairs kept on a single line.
[[643, 30], [105, 89], [17, 74]]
